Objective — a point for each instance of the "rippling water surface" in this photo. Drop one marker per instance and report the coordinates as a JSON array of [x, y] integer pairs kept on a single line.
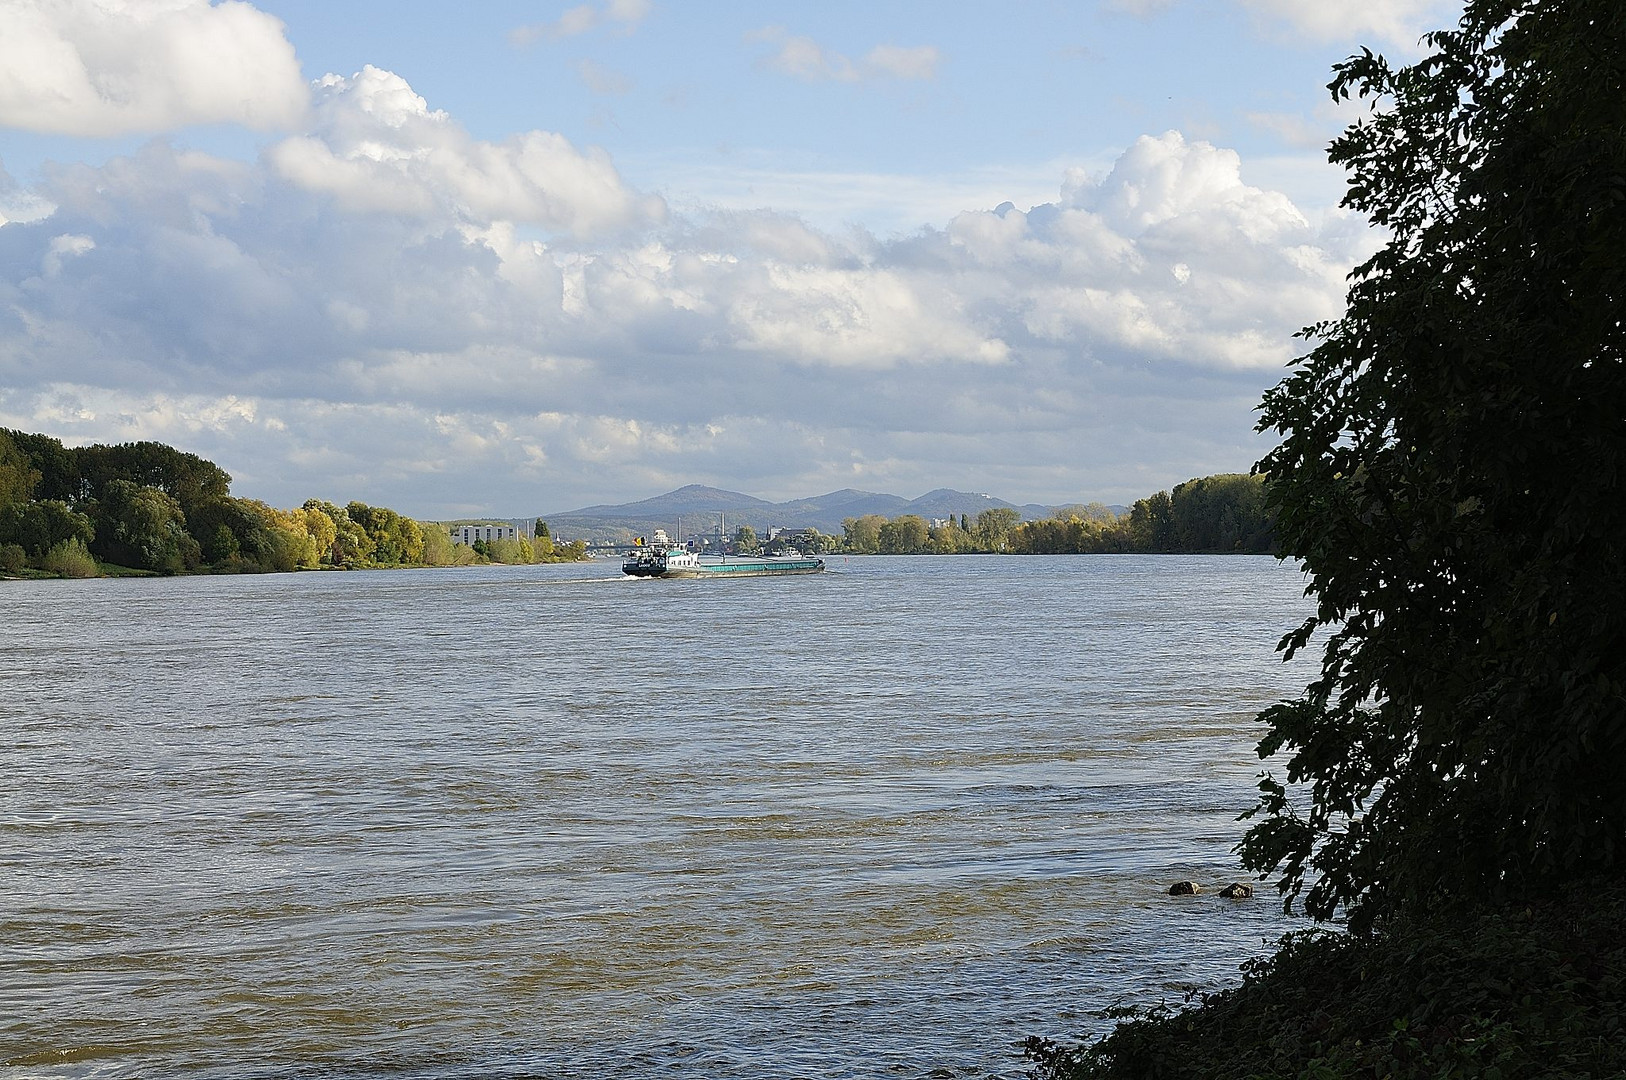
[[547, 821]]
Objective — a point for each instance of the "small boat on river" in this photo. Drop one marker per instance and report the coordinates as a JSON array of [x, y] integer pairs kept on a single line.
[[664, 559]]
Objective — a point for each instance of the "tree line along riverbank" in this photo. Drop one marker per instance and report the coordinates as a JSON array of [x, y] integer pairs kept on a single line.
[[1225, 514], [145, 507], [149, 508]]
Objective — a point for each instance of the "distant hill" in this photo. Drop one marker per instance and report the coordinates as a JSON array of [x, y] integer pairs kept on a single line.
[[699, 507]]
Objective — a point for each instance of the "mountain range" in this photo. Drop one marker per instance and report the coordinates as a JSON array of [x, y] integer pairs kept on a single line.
[[700, 508]]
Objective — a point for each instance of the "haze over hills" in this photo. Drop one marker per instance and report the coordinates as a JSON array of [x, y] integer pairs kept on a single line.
[[700, 506]]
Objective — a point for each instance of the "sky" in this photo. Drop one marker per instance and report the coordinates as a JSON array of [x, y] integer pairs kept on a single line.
[[511, 258]]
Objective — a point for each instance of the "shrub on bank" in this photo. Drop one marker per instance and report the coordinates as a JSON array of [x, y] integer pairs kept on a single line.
[[70, 559], [1526, 992]]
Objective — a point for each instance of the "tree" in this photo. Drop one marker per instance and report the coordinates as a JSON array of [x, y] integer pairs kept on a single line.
[[250, 536], [992, 526], [36, 527], [57, 466], [950, 538], [395, 539], [144, 528], [1095, 511], [18, 477], [745, 540], [905, 535], [292, 544], [1221, 513], [862, 535], [230, 531], [1151, 523], [438, 549], [515, 552], [1450, 474], [186, 478], [320, 527], [350, 545]]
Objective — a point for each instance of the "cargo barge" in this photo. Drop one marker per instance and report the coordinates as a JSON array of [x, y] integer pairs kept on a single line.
[[664, 559]]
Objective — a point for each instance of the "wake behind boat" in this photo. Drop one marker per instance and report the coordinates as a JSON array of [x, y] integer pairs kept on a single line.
[[664, 559]]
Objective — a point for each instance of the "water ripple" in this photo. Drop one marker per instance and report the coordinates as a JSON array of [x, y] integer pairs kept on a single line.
[[511, 822]]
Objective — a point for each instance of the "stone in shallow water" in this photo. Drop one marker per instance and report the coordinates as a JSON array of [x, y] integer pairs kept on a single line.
[[1237, 890], [1185, 888]]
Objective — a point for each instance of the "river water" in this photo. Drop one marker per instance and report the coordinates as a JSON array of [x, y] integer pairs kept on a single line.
[[546, 821]]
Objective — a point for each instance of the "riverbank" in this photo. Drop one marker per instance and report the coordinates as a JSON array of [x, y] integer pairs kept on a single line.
[[1524, 992], [113, 570]]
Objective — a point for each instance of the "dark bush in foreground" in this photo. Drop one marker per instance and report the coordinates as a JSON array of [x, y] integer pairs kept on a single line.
[[1530, 992]]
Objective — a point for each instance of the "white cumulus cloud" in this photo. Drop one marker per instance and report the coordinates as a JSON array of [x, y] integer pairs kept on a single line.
[[378, 147], [109, 67], [443, 359]]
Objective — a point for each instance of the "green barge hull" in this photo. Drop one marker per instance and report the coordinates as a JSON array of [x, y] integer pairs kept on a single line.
[[746, 568]]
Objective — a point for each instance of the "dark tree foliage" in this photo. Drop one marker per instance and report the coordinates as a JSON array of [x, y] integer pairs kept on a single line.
[[144, 528], [36, 527], [1151, 523], [394, 539], [57, 466], [18, 477], [1221, 513], [76, 475], [1450, 473], [230, 530], [187, 478]]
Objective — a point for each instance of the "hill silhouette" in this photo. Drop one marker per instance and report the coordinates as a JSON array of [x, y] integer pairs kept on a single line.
[[700, 508]]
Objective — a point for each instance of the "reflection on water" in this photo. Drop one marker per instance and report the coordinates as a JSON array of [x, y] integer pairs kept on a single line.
[[547, 821]]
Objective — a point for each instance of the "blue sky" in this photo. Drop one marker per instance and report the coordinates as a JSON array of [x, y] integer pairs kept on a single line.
[[511, 257]]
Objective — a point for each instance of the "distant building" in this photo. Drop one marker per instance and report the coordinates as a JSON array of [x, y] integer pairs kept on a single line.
[[468, 534]]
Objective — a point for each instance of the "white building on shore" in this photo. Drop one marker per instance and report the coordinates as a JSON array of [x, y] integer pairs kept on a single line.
[[468, 534]]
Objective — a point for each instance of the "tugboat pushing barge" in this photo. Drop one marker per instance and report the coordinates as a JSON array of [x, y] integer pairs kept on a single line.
[[664, 559]]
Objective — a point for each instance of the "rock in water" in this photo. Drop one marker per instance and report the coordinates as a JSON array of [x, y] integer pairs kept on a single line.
[[1237, 890], [1185, 888]]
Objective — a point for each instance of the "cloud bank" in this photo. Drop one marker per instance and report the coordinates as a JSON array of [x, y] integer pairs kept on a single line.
[[387, 308], [110, 67]]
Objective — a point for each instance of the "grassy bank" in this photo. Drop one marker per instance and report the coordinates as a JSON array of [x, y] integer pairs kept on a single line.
[[1537, 991]]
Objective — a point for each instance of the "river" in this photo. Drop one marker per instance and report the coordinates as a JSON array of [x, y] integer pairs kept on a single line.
[[546, 821]]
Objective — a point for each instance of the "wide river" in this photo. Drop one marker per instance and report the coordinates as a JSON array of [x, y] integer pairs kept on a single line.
[[550, 822]]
